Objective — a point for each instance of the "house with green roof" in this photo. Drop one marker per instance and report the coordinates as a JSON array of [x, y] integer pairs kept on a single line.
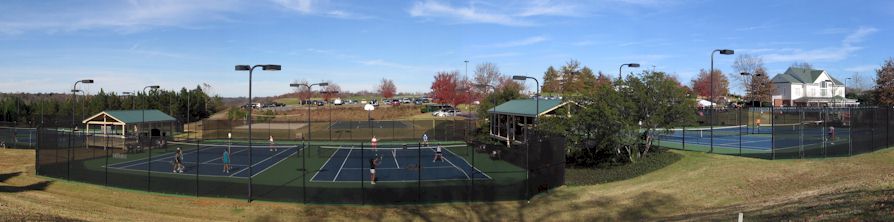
[[510, 120], [809, 87], [127, 123]]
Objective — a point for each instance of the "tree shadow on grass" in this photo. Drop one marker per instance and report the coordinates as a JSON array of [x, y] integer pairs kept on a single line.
[[858, 205], [546, 207], [15, 189]]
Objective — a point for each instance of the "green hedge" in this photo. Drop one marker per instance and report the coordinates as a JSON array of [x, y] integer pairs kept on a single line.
[[590, 176]]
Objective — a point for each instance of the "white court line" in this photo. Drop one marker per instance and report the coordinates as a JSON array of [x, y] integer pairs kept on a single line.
[[274, 164], [399, 181], [252, 166], [342, 164], [394, 155], [161, 157], [391, 168], [323, 166], [467, 162], [221, 156], [457, 168], [166, 172]]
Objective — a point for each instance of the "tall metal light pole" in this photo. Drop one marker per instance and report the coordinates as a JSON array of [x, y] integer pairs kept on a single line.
[[713, 103], [250, 69], [329, 108], [149, 147], [536, 117], [74, 96], [308, 107], [844, 102]]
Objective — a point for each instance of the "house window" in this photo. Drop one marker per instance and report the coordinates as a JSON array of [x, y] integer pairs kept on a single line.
[[811, 92]]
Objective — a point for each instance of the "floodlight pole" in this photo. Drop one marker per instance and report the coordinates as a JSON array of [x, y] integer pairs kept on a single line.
[[148, 148], [844, 102], [250, 69], [713, 103], [536, 117], [74, 97]]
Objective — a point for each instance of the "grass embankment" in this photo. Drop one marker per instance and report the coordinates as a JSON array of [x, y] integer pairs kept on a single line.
[[697, 187]]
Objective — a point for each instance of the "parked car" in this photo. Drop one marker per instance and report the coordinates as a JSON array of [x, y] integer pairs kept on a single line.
[[394, 103], [435, 107], [337, 102], [446, 112]]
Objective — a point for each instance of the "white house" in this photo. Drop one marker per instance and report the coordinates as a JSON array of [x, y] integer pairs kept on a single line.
[[809, 87]]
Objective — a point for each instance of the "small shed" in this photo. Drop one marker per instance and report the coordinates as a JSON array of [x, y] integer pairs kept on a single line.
[[510, 120]]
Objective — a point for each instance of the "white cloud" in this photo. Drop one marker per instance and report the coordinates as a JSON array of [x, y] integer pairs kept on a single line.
[[862, 68], [496, 55], [468, 14], [130, 16], [302, 6], [521, 42], [849, 45], [317, 7], [381, 62]]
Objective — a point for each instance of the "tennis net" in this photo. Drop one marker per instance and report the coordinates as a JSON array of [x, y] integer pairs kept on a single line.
[[234, 149], [407, 151]]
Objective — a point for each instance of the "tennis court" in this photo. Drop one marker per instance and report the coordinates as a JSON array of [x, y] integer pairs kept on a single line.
[[396, 164], [210, 157], [761, 138], [365, 125]]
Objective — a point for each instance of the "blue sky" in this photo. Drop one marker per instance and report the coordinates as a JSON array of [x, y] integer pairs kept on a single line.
[[124, 45]]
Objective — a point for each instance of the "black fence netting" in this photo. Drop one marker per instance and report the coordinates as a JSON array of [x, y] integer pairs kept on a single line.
[[410, 161], [785, 132]]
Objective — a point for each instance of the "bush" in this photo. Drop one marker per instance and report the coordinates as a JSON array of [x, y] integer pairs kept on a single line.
[[610, 173]]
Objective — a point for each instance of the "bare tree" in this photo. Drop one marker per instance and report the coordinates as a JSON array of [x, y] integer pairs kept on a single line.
[[803, 65], [746, 63], [331, 91], [302, 92], [884, 83], [387, 88], [487, 73]]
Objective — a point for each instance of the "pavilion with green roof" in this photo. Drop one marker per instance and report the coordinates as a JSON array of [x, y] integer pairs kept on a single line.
[[125, 123], [510, 120]]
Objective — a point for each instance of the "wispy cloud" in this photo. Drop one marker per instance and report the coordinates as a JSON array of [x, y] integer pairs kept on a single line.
[[516, 43], [496, 55], [318, 8], [381, 62], [849, 45], [125, 16], [509, 14], [464, 14], [361, 59], [862, 68]]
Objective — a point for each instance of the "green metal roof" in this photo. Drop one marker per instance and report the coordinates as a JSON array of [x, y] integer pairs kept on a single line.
[[137, 116], [527, 107], [801, 75]]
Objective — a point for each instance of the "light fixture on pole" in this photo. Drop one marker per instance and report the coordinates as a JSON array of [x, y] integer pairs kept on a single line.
[[74, 96], [142, 143], [631, 65], [713, 100], [536, 117], [296, 85], [250, 69]]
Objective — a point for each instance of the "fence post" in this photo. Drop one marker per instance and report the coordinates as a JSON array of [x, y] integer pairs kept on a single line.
[[773, 132]]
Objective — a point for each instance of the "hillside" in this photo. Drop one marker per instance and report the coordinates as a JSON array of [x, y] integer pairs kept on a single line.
[[698, 187]]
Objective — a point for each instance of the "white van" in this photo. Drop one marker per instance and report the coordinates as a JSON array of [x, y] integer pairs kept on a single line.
[[338, 102]]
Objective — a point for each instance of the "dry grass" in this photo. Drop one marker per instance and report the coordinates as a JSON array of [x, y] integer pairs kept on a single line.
[[698, 187]]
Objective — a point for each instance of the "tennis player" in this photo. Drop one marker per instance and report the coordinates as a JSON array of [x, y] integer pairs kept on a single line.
[[178, 161], [372, 168], [832, 134], [425, 139], [272, 148], [438, 154], [226, 160], [375, 142]]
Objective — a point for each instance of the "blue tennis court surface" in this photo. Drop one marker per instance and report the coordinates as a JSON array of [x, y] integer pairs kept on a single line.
[[210, 158], [754, 138], [396, 165]]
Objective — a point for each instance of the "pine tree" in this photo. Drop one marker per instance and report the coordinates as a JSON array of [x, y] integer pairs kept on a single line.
[[551, 82]]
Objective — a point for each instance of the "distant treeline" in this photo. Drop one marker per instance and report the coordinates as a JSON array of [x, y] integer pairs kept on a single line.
[[55, 109]]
